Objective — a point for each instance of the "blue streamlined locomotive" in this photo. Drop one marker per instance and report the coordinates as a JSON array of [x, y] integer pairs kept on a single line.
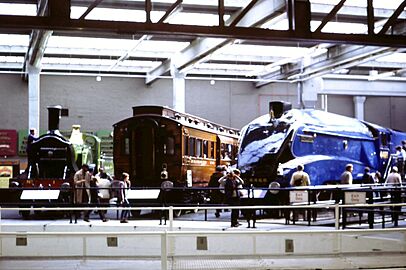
[[323, 142]]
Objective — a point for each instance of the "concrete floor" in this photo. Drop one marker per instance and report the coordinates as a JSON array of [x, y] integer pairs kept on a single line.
[[397, 261]]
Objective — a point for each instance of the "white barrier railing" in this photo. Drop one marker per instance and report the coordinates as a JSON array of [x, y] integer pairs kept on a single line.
[[170, 244], [337, 209], [165, 245]]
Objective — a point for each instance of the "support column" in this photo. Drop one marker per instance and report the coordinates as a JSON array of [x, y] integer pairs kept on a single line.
[[310, 89], [178, 84], [359, 102], [33, 97]]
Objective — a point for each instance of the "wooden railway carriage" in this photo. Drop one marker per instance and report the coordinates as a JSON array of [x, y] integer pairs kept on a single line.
[[158, 144]]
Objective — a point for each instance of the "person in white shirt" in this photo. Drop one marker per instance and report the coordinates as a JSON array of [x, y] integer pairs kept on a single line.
[[346, 176], [394, 178], [300, 178]]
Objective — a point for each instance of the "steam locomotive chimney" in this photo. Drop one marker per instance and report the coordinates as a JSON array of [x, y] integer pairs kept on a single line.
[[54, 114], [277, 108]]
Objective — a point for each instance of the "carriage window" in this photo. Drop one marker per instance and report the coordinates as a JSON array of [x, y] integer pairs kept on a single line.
[[226, 151], [233, 152], [222, 150], [185, 145], [229, 148], [126, 146], [169, 147], [212, 144], [205, 149], [198, 148], [192, 142]]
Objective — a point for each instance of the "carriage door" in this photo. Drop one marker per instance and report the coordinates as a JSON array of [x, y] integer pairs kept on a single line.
[[143, 158]]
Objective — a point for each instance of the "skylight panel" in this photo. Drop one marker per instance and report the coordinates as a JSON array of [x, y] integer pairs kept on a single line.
[[162, 46], [12, 59], [394, 57], [236, 3], [278, 51], [109, 14], [127, 15], [386, 4], [78, 61], [196, 19], [228, 67], [148, 64], [97, 62], [82, 45], [18, 9], [90, 43], [340, 27], [280, 25], [14, 40], [227, 3], [112, 14]]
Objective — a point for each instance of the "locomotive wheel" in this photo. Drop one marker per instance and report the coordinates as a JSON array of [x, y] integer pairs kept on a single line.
[[136, 213]]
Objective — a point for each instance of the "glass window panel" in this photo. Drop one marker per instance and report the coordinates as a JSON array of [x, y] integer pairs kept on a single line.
[[170, 146], [185, 145], [198, 148], [126, 146], [192, 143], [205, 149]]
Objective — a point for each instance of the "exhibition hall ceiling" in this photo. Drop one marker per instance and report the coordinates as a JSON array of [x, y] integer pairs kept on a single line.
[[353, 39]]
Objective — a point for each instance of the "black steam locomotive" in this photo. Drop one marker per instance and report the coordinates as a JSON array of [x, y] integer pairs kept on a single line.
[[52, 163]]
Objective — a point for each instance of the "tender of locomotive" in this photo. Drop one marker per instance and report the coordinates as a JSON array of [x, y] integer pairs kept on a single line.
[[324, 142], [158, 144]]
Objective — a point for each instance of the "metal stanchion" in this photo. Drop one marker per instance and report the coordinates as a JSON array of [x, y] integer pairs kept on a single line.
[[170, 218], [164, 251], [337, 216]]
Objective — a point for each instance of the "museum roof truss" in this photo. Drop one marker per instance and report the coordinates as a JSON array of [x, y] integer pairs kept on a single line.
[[262, 41]]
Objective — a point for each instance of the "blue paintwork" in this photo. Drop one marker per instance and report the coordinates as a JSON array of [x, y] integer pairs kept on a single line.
[[324, 142]]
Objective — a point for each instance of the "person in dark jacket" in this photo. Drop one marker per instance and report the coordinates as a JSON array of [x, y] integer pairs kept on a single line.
[[217, 195], [30, 139], [232, 194], [367, 178], [95, 199], [121, 189]]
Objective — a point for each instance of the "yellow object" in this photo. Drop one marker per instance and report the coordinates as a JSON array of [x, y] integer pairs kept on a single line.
[[76, 136]]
